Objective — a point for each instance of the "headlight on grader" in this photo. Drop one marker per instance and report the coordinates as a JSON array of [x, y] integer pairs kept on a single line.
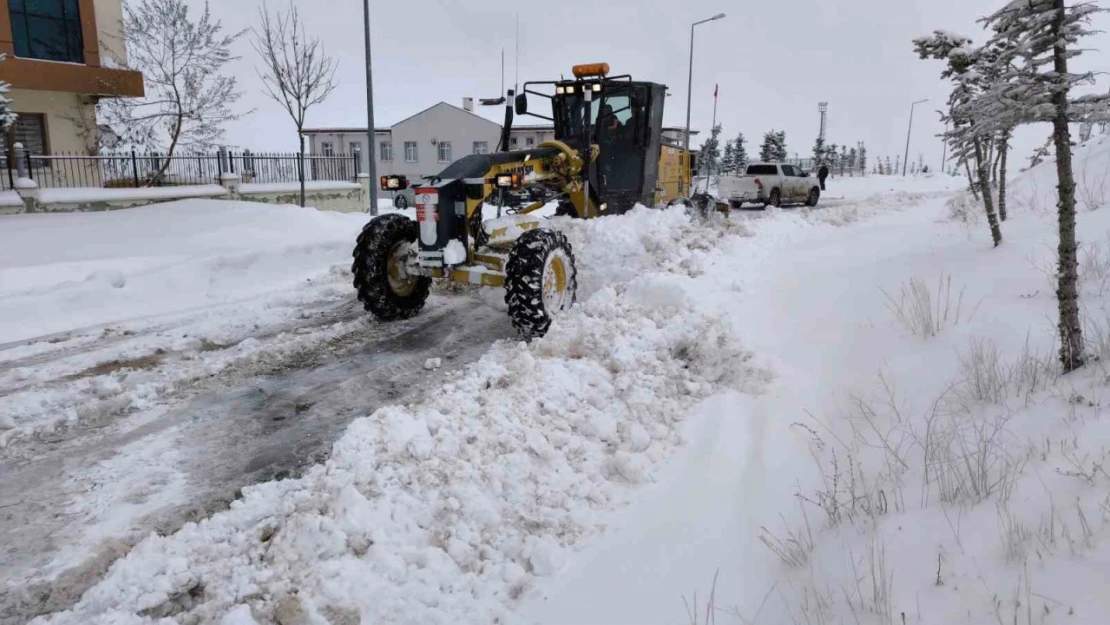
[[394, 183], [507, 181]]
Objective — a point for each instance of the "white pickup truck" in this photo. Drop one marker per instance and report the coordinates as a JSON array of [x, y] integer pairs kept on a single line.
[[769, 184]]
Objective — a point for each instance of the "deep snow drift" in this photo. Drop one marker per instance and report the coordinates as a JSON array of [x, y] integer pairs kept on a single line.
[[918, 457], [65, 271]]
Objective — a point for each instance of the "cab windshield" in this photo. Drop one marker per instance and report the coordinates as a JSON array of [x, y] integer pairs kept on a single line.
[[606, 114]]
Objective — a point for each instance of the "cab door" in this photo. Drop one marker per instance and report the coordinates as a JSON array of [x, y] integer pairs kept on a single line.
[[790, 183]]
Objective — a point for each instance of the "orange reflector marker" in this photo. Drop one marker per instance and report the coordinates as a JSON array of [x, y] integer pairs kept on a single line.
[[591, 69]]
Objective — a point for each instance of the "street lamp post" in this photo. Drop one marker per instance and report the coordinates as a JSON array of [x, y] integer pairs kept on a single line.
[[909, 129], [690, 76], [371, 167]]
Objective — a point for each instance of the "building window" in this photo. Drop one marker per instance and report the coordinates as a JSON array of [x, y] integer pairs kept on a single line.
[[445, 151], [481, 147], [47, 29], [386, 150], [530, 141], [512, 142], [410, 152], [328, 148], [30, 130], [356, 147]]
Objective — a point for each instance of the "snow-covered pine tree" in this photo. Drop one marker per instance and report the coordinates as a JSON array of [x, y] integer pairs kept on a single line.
[[710, 158], [1040, 153], [728, 160], [7, 115], [1036, 39], [843, 158], [780, 146], [767, 149], [853, 158], [740, 151], [967, 135], [888, 169], [818, 151], [862, 159]]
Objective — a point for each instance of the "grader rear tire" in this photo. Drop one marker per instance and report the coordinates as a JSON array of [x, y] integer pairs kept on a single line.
[[382, 286], [540, 280]]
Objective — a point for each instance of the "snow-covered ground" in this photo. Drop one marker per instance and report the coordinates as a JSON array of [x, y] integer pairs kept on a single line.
[[476, 500], [759, 419], [891, 473]]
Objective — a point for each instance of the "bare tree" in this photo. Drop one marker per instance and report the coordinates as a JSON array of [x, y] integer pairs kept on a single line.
[[297, 74], [187, 99]]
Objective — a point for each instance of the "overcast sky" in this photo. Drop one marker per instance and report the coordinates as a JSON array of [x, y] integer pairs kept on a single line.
[[774, 61]]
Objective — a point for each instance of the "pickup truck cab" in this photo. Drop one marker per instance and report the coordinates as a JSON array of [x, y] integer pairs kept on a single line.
[[769, 184]]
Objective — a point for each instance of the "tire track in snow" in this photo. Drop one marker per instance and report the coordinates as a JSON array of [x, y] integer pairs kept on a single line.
[[253, 422]]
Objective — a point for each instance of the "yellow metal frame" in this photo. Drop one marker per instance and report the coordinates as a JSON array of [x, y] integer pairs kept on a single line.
[[563, 170]]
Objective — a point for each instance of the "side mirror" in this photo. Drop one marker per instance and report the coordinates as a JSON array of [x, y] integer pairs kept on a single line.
[[521, 104]]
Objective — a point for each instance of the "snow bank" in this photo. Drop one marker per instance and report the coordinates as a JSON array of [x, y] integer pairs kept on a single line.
[[64, 271], [291, 187], [90, 194], [886, 475], [446, 510]]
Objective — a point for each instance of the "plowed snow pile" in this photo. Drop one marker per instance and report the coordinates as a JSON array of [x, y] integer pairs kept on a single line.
[[444, 511]]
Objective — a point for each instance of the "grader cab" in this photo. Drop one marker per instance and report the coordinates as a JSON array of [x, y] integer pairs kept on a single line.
[[477, 222]]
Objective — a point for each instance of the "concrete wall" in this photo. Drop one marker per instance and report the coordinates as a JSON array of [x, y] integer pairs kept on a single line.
[[109, 18], [63, 133], [339, 196]]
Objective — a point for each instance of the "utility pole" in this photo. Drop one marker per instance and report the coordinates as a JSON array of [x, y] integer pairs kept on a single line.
[[711, 129], [516, 69], [372, 151], [905, 160], [690, 77]]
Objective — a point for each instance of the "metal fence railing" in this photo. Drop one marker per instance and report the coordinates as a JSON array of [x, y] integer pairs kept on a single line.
[[133, 170]]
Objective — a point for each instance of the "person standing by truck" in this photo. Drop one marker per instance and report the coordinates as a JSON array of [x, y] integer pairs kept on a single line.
[[822, 173]]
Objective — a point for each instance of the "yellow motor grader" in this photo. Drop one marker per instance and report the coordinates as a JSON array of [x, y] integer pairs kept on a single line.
[[609, 153]]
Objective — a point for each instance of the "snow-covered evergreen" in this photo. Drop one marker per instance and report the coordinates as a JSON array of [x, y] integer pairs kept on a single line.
[[710, 158], [1032, 44], [728, 160], [774, 146], [740, 151], [7, 115]]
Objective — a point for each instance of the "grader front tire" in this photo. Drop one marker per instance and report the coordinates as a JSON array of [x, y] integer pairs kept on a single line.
[[382, 286], [541, 280]]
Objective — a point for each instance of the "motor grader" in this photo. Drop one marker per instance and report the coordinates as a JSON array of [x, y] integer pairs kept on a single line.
[[476, 220]]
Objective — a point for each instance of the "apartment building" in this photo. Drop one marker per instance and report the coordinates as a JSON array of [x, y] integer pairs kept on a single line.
[[61, 58]]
